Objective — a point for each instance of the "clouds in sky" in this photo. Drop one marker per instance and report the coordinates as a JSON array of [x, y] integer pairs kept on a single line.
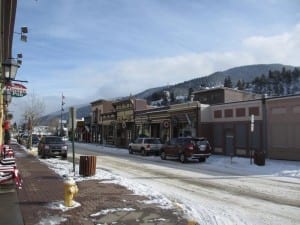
[[104, 49]]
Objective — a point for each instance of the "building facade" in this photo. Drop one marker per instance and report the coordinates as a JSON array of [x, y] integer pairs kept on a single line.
[[98, 125], [124, 125], [223, 95], [283, 127], [235, 128]]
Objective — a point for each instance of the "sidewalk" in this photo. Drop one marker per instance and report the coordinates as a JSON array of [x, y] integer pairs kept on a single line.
[[100, 203]]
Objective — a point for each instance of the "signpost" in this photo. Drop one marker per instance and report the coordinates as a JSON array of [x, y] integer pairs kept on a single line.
[[72, 112], [16, 90], [251, 137]]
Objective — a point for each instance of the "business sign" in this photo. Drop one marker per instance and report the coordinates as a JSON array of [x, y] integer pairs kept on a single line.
[[16, 90]]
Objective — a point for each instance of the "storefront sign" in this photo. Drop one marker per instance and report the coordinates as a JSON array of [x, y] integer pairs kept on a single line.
[[16, 90]]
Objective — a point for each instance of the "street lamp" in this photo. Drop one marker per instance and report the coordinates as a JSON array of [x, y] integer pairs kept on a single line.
[[10, 67], [23, 36], [7, 97]]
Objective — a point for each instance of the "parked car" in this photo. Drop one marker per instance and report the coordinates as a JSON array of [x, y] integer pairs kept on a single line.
[[23, 139], [65, 138], [186, 148], [51, 146], [35, 140], [145, 146]]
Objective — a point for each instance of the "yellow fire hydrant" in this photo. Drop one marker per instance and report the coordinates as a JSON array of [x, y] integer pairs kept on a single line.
[[70, 190]]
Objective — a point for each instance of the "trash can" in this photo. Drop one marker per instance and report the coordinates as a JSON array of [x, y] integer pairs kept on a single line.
[[87, 165], [259, 158]]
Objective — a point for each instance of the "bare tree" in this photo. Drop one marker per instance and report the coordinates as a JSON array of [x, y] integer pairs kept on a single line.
[[54, 125], [34, 109]]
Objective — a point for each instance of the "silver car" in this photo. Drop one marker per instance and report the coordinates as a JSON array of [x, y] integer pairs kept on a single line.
[[145, 146]]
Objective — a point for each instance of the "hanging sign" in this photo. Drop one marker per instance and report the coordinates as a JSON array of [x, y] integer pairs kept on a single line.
[[16, 90], [166, 124]]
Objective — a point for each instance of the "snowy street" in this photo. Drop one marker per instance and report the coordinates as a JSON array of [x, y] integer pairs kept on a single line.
[[215, 192]]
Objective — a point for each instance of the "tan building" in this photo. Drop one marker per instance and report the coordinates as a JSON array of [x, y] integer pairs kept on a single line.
[[154, 122], [268, 126], [125, 119], [231, 127], [172, 121], [223, 95], [100, 124], [7, 18], [283, 120]]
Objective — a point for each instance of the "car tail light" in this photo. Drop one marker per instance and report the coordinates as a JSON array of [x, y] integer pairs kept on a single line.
[[148, 146], [190, 146]]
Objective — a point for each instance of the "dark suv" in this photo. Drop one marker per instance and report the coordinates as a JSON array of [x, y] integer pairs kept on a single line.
[[52, 146], [185, 148]]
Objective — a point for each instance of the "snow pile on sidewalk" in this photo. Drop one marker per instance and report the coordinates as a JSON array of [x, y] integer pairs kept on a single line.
[[65, 169]]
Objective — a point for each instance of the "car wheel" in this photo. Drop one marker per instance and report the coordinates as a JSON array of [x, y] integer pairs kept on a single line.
[[163, 155], [182, 158], [64, 156], [202, 159], [130, 150]]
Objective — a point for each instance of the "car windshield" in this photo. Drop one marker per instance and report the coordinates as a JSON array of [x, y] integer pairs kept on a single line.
[[54, 140], [153, 141], [202, 142]]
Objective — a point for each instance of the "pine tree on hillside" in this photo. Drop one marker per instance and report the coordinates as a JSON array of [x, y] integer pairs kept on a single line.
[[228, 82], [241, 85]]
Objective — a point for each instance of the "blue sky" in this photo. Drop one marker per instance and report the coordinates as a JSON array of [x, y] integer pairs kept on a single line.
[[93, 49]]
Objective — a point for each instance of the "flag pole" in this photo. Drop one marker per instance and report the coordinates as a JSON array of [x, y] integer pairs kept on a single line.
[[61, 114]]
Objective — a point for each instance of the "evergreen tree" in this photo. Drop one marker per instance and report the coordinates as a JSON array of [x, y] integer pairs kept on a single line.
[[172, 97], [241, 85], [228, 82], [191, 90]]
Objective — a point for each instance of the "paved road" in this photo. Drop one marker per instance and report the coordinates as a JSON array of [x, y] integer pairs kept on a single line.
[[211, 196]]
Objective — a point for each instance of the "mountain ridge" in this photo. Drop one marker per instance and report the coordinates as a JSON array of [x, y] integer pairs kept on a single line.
[[246, 73]]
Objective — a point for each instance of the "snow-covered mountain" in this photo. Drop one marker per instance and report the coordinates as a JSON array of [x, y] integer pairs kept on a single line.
[[246, 73]]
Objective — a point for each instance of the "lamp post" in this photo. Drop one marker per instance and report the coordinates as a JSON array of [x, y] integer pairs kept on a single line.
[[61, 115], [10, 67], [23, 36]]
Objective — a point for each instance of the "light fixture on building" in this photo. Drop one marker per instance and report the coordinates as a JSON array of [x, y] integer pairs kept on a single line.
[[10, 68], [19, 59], [7, 97], [24, 31]]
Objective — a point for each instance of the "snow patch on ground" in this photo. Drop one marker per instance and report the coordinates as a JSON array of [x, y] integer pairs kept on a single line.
[[61, 206], [65, 169], [108, 211], [203, 212], [52, 220]]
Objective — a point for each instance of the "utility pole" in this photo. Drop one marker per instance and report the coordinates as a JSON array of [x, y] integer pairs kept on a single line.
[[61, 114]]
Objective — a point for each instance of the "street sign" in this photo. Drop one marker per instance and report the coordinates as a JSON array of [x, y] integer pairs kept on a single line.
[[252, 123], [16, 90]]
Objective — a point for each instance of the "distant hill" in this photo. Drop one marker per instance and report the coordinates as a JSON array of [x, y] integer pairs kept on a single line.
[[247, 73], [81, 112]]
